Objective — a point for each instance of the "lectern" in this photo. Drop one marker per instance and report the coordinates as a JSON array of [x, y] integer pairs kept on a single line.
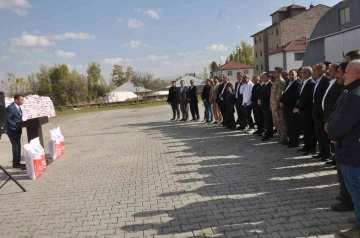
[[33, 128]]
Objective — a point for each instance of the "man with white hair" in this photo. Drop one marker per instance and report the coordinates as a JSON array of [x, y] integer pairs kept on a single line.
[[343, 128]]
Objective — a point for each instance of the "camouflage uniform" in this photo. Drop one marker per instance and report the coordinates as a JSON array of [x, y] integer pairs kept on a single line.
[[277, 112]]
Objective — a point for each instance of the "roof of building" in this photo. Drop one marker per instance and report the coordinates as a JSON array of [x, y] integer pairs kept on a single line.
[[288, 8], [286, 19], [294, 45], [187, 78], [234, 65], [129, 87]]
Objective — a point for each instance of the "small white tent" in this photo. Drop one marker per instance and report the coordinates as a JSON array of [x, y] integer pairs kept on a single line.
[[119, 96]]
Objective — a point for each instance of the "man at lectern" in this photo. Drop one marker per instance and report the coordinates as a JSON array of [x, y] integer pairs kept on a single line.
[[14, 115]]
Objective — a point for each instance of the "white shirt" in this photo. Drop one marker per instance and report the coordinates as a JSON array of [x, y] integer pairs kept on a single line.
[[316, 85], [237, 90], [222, 91], [327, 90], [247, 89], [288, 86], [304, 83]]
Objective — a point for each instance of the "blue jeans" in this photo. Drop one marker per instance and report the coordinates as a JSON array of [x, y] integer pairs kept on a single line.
[[352, 182], [209, 113]]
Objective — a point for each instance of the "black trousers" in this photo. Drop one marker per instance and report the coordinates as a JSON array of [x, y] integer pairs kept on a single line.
[[241, 118], [194, 109], [309, 130], [15, 139], [258, 116], [269, 125], [293, 124], [322, 138], [248, 118], [230, 118], [346, 197], [175, 109], [223, 111]]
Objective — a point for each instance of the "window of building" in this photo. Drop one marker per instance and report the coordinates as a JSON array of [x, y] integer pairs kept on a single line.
[[256, 54], [262, 67], [246, 71], [261, 53], [277, 46], [277, 31], [299, 56], [229, 73], [344, 15], [255, 40], [260, 38], [257, 67]]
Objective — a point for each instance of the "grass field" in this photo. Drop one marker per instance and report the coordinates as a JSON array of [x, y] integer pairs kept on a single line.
[[141, 105]]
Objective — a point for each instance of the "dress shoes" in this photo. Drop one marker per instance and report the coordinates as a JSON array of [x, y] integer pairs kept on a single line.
[[20, 166], [319, 156], [339, 198], [265, 138], [183, 119], [330, 162], [309, 152], [341, 207], [302, 150], [172, 119]]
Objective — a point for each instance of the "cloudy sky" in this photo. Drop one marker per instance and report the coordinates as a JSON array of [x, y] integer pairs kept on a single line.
[[166, 37]]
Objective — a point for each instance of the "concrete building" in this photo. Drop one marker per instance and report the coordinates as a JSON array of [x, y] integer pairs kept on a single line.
[[336, 33], [288, 24], [290, 56], [231, 68]]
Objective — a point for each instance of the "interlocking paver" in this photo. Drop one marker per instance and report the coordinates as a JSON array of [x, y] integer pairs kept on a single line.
[[132, 173]]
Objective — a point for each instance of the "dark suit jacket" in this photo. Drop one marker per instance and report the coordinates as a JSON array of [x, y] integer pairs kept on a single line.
[[265, 94], [255, 93], [237, 84], [174, 96], [205, 95], [317, 111], [230, 102], [221, 87], [184, 95], [13, 117], [291, 96], [305, 102], [192, 95], [331, 98]]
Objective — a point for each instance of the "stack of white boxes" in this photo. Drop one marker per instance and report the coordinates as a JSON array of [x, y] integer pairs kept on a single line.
[[35, 106]]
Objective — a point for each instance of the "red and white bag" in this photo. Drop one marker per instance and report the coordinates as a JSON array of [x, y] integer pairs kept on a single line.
[[35, 159], [61, 139], [54, 145]]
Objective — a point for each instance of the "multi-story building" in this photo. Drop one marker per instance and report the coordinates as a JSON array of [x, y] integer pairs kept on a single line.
[[337, 33], [231, 68], [288, 23]]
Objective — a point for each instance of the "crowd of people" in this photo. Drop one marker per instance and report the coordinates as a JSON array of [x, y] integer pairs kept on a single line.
[[319, 105]]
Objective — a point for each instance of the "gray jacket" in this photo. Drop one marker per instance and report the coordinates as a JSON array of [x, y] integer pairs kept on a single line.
[[184, 95], [344, 125]]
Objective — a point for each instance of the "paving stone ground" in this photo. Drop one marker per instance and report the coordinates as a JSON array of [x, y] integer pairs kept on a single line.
[[133, 173]]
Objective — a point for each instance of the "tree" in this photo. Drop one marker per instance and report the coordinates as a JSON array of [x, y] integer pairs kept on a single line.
[[244, 53], [205, 73], [93, 78], [43, 81], [213, 66], [58, 76], [146, 80], [14, 85], [231, 57], [119, 77]]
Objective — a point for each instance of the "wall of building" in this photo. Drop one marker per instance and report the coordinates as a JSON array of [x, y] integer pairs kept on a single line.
[[273, 38], [276, 60], [315, 53], [291, 63], [338, 45], [232, 77], [258, 47]]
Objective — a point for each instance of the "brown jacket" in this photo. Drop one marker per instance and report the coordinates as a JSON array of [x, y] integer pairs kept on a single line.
[[213, 92]]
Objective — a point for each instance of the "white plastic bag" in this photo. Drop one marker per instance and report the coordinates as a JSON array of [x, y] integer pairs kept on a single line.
[[35, 159], [54, 145], [61, 139]]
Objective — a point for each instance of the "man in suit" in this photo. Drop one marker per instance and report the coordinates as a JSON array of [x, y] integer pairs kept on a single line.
[[222, 96], [184, 103], [14, 115], [304, 108], [264, 102], [322, 83], [174, 100], [239, 101], [287, 103], [258, 116], [213, 98], [193, 100], [277, 112]]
